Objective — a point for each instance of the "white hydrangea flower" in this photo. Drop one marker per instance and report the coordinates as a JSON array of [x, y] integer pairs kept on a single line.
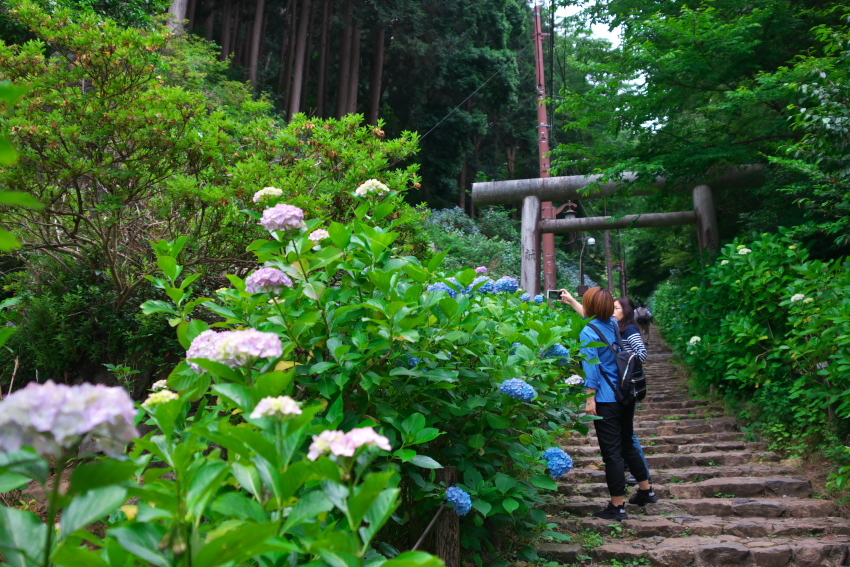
[[694, 340], [161, 397], [54, 418], [159, 385], [281, 405], [724, 262], [744, 251], [808, 300], [318, 235], [575, 380], [267, 194], [797, 297], [372, 187]]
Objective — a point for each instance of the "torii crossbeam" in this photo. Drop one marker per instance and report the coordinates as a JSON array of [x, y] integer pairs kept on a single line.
[[530, 192]]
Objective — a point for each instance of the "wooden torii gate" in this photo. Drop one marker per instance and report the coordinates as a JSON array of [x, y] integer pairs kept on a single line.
[[530, 192]]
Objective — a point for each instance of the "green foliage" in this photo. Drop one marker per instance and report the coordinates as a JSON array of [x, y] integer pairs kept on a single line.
[[367, 340], [766, 324], [492, 241], [130, 135]]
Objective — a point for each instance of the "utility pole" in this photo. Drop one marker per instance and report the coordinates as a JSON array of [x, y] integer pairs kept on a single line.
[[608, 262], [550, 274]]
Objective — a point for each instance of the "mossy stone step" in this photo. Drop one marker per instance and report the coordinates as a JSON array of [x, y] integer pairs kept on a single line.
[[654, 441], [593, 450], [638, 527], [596, 473], [720, 551], [723, 507], [725, 487], [713, 458]]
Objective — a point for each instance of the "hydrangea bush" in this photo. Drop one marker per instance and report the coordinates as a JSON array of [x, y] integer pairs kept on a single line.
[[387, 342], [771, 330]]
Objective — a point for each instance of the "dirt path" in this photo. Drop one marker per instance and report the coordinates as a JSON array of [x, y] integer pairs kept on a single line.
[[724, 500]]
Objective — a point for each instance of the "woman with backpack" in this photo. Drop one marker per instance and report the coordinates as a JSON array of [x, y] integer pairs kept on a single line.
[[624, 309], [615, 430], [624, 313]]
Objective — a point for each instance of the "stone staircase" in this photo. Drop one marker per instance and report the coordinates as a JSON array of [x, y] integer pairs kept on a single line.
[[725, 500]]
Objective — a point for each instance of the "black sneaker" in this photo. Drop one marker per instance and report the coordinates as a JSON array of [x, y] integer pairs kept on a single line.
[[644, 497], [631, 480], [613, 513]]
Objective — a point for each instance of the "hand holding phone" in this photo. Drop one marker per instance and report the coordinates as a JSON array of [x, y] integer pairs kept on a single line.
[[554, 294]]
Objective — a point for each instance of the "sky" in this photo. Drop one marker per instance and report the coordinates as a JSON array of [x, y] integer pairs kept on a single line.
[[599, 30]]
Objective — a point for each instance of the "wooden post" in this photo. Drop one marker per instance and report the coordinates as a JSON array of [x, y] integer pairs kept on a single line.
[[530, 241], [706, 218], [608, 223], [447, 530]]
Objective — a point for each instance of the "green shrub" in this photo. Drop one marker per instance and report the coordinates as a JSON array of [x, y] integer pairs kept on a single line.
[[369, 342], [767, 325]]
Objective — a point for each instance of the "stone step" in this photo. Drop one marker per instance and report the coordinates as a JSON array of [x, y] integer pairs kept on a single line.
[[727, 487], [596, 473], [655, 441], [593, 450], [681, 413], [722, 507], [684, 427], [710, 459], [719, 551], [638, 527], [681, 404]]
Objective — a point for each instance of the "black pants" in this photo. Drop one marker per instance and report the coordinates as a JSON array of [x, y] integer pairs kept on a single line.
[[614, 432]]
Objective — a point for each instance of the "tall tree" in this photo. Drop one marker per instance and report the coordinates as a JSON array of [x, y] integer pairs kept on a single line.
[[300, 51]]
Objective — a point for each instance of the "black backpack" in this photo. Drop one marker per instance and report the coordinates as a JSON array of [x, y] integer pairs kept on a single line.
[[631, 383], [643, 318]]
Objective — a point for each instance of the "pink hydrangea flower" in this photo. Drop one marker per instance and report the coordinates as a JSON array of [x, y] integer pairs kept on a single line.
[[322, 443], [481, 269], [271, 407], [53, 418], [318, 235], [282, 217], [267, 279], [346, 444]]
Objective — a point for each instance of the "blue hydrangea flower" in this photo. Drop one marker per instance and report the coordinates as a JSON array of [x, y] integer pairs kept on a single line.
[[538, 298], [506, 284], [557, 350], [525, 297], [486, 288], [412, 361], [559, 463], [519, 389], [440, 286], [461, 500], [514, 346]]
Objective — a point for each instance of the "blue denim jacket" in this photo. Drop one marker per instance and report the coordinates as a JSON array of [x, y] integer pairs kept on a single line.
[[593, 372]]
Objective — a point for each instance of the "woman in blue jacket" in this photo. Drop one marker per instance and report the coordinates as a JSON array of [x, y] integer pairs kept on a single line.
[[615, 429]]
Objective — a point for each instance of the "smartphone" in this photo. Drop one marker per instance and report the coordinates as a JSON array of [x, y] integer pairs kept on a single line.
[[554, 294]]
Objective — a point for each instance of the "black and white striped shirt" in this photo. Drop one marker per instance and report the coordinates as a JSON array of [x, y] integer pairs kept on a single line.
[[633, 342]]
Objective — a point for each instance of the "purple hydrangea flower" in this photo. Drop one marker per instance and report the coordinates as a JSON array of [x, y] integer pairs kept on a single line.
[[525, 297], [234, 348], [282, 217], [506, 284], [460, 499], [559, 463], [53, 418], [267, 280], [519, 389], [481, 269]]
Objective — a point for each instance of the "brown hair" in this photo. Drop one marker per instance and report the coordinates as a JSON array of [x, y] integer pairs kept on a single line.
[[598, 302], [628, 307]]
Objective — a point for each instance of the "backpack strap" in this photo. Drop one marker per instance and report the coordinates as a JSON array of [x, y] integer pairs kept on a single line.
[[602, 366]]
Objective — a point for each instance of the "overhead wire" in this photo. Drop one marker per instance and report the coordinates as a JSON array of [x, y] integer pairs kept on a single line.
[[502, 68]]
